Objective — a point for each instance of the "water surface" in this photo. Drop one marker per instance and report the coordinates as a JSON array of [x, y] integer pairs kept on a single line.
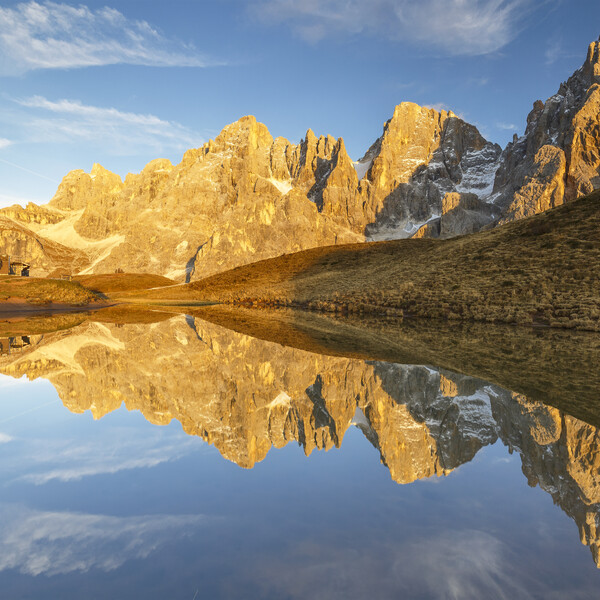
[[181, 459]]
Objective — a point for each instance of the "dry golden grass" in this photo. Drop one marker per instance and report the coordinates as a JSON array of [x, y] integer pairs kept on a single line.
[[38, 291], [542, 270], [122, 282]]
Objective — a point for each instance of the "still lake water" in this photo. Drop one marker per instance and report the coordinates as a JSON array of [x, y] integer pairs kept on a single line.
[[180, 459]]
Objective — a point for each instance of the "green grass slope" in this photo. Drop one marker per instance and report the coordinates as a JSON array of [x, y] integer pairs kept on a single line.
[[541, 270]]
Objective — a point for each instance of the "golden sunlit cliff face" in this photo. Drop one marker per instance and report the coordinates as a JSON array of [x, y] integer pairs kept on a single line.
[[246, 196], [557, 159], [246, 395], [242, 197]]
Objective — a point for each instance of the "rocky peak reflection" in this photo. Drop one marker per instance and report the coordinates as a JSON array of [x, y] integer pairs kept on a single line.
[[245, 395]]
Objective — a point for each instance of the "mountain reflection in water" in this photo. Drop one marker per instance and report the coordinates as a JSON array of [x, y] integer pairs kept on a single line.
[[245, 395]]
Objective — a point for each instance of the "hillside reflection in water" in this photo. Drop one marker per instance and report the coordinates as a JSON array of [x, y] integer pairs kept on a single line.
[[165, 516]]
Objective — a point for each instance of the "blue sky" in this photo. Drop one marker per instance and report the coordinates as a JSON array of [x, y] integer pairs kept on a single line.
[[122, 83]]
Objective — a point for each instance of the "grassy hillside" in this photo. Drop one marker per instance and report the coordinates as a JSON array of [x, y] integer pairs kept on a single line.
[[541, 270], [34, 291]]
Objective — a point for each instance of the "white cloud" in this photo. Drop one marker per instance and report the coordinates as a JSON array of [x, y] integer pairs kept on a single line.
[[554, 51], [439, 106], [37, 542], [453, 565], [459, 27], [4, 143], [122, 132], [506, 126], [5, 438], [46, 460], [52, 35], [464, 564]]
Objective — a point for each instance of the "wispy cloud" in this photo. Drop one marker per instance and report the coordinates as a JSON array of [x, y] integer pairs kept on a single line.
[[16, 166], [90, 463], [35, 542], [506, 126], [44, 460], [122, 132], [466, 564], [53, 35], [4, 143], [554, 50], [557, 50], [439, 106], [449, 564], [459, 27]]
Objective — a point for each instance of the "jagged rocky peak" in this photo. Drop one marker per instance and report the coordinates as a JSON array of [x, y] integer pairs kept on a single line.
[[245, 135], [325, 173], [412, 136], [79, 189], [591, 67], [314, 153], [158, 165], [558, 157], [407, 141], [422, 155]]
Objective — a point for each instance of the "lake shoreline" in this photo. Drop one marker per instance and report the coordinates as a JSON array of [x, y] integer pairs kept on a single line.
[[10, 309]]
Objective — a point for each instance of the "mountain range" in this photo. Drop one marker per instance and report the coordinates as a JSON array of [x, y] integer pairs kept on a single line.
[[245, 196]]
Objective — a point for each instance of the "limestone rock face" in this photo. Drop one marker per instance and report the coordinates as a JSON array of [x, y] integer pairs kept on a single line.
[[558, 157], [543, 187], [422, 156], [239, 198], [245, 197], [461, 213], [32, 215], [46, 256]]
